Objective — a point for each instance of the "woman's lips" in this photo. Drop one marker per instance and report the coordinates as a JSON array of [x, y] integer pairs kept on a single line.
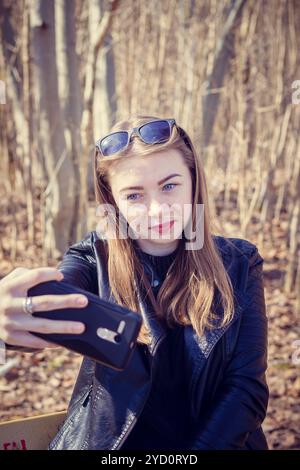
[[163, 227]]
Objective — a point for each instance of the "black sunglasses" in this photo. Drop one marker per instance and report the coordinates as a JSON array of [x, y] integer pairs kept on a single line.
[[152, 132]]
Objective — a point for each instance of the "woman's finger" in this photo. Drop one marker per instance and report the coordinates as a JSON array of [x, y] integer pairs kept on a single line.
[[28, 279], [26, 339], [49, 302], [15, 273], [43, 325]]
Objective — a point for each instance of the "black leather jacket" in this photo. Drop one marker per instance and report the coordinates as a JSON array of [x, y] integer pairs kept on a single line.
[[226, 366]]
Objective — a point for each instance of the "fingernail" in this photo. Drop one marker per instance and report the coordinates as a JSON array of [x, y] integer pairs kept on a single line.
[[81, 300]]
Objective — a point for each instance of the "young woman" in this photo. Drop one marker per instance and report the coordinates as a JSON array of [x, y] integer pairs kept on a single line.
[[196, 379]]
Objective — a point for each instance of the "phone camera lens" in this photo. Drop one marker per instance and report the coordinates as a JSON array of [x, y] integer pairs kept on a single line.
[[118, 338]]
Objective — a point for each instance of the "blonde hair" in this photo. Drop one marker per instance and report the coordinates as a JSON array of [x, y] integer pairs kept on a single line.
[[186, 296]]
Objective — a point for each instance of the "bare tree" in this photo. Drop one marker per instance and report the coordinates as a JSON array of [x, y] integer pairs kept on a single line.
[[71, 103], [96, 40], [58, 198], [27, 125], [222, 56], [104, 104]]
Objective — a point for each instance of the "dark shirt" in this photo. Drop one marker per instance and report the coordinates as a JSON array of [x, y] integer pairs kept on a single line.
[[163, 421]]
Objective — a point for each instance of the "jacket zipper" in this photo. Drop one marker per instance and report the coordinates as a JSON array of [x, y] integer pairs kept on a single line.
[[130, 426], [69, 419]]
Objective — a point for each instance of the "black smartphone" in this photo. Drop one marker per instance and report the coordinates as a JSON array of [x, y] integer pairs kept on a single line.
[[110, 332]]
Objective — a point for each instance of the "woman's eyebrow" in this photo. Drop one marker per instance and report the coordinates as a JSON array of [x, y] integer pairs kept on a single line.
[[159, 183]]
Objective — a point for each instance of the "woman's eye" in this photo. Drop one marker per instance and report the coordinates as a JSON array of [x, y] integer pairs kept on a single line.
[[129, 198], [170, 184]]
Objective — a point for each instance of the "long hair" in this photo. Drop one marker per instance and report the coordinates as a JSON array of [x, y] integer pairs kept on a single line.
[[187, 295]]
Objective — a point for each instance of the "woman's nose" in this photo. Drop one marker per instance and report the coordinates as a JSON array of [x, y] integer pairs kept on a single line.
[[156, 210]]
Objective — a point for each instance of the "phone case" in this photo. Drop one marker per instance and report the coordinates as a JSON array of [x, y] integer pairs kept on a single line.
[[110, 332]]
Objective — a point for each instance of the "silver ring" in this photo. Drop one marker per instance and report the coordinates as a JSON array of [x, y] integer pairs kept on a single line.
[[28, 305]]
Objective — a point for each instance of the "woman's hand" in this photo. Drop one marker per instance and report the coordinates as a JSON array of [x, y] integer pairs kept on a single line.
[[15, 324]]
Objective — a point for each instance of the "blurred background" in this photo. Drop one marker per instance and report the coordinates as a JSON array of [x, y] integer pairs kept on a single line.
[[229, 72]]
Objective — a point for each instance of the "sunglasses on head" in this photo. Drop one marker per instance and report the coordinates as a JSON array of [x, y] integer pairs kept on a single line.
[[153, 132]]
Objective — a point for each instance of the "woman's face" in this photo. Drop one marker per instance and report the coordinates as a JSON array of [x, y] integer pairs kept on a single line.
[[152, 190]]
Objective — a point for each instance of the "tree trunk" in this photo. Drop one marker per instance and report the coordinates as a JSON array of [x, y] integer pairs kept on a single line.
[[96, 40], [58, 198], [71, 103], [27, 128], [104, 105], [13, 85], [222, 57]]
